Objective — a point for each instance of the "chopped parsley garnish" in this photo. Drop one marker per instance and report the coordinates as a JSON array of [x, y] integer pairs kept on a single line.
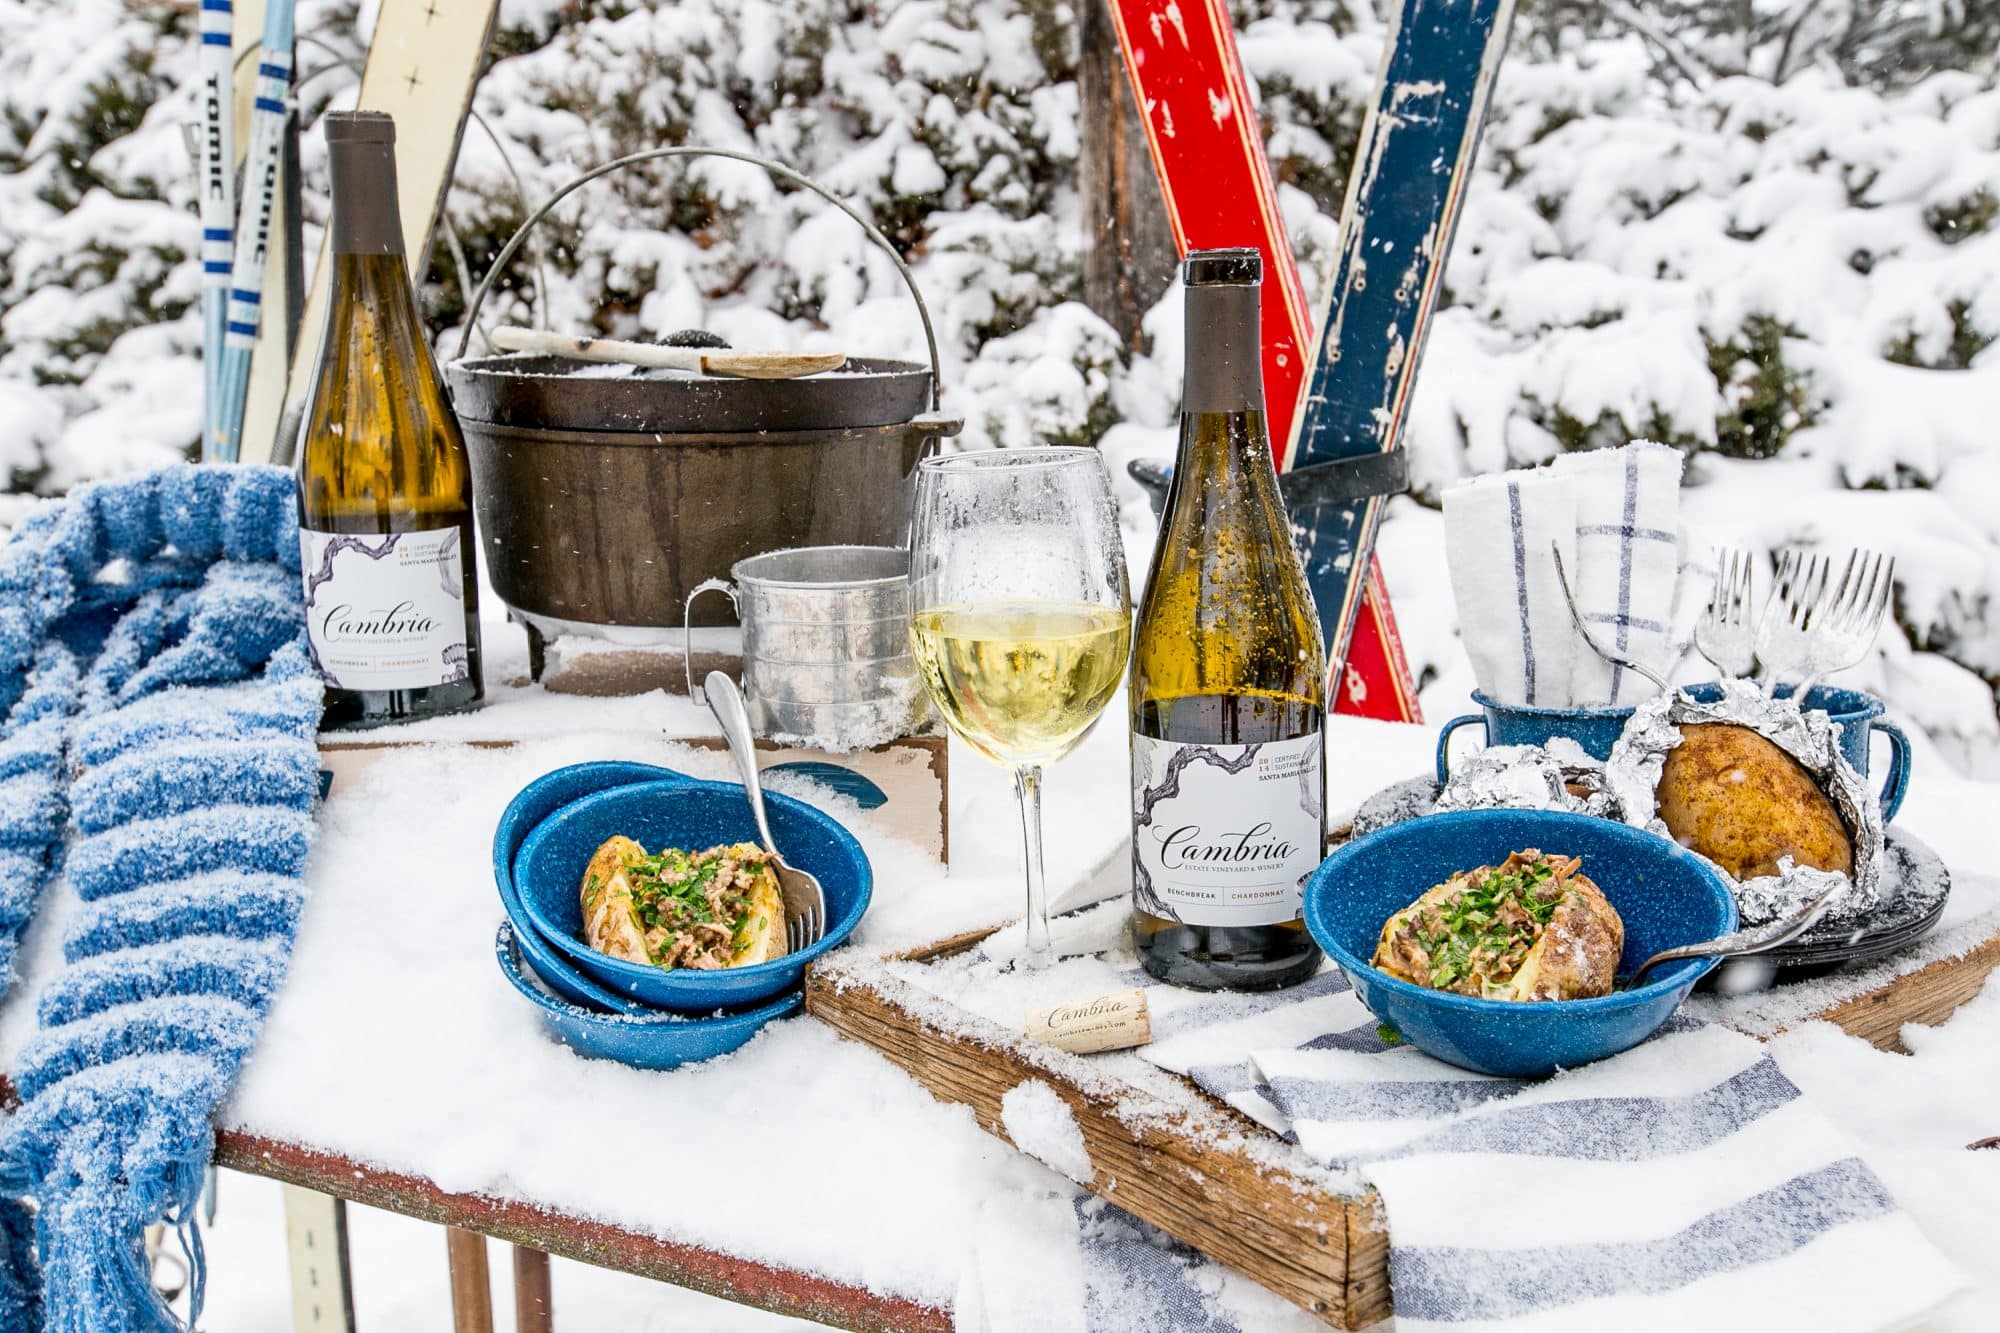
[[1498, 913]]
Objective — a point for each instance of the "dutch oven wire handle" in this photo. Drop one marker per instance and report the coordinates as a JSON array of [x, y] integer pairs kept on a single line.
[[778, 169]]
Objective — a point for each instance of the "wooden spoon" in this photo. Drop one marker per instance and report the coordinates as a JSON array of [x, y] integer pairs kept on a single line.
[[701, 360]]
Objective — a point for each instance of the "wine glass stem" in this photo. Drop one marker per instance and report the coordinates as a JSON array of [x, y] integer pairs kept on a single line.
[[1028, 787]]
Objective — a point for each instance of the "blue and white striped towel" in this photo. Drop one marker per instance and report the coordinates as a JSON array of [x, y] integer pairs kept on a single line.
[[1627, 568], [1683, 1184], [1512, 617]]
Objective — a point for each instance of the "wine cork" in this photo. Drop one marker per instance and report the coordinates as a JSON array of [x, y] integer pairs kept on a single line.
[[1110, 1022]]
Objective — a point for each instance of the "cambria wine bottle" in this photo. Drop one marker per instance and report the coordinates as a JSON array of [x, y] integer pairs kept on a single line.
[[385, 485], [1228, 679]]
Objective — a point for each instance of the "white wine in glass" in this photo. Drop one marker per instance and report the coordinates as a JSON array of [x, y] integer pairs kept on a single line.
[[1023, 617]]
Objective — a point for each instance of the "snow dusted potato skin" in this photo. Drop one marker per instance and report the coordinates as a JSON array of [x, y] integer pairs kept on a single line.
[[1577, 956], [1574, 958], [610, 919]]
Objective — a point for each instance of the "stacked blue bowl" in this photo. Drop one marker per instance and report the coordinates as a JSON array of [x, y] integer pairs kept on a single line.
[[603, 1007]]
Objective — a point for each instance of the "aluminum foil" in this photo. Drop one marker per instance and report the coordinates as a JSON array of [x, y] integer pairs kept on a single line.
[[1558, 776], [1411, 798], [1633, 779]]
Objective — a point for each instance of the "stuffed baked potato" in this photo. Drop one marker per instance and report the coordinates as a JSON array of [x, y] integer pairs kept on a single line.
[[1531, 928], [705, 910]]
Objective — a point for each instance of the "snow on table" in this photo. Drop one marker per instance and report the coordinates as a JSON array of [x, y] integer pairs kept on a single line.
[[395, 1041]]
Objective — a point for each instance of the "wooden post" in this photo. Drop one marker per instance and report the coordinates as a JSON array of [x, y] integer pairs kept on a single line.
[[1128, 242], [533, 1305], [471, 1283], [316, 1240]]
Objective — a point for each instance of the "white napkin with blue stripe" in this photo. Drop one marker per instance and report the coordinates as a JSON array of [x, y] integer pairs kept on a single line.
[[1684, 1184], [1511, 614], [1640, 579], [1627, 565]]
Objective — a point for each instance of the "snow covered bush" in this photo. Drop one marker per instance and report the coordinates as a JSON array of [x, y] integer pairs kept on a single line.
[[1768, 234]]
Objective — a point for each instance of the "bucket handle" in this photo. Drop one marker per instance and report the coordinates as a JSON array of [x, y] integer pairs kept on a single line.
[[692, 150], [687, 628]]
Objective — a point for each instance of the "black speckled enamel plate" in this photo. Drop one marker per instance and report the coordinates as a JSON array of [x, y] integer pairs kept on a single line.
[[1915, 885]]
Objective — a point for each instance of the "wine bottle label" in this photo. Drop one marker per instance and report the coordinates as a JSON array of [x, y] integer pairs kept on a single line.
[[385, 612], [1225, 835]]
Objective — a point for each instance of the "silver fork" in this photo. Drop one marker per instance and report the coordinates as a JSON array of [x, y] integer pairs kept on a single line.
[[1784, 634], [1590, 639], [1727, 632], [1845, 624], [805, 901]]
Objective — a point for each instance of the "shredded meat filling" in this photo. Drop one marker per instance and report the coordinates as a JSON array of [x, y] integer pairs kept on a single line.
[[693, 909], [1473, 933]]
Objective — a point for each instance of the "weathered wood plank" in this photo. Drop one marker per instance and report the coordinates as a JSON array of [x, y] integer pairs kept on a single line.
[[1929, 995], [1128, 240], [1189, 1168], [745, 1281]]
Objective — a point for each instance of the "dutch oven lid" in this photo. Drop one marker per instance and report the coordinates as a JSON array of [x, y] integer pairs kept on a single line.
[[536, 392]]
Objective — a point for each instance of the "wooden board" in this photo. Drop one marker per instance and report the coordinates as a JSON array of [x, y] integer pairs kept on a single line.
[[1196, 1169], [1272, 1217], [913, 772], [1410, 173]]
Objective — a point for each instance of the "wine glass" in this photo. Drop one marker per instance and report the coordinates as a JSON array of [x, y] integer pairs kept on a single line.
[[1021, 618]]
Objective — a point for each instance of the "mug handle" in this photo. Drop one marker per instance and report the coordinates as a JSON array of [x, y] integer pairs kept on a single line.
[[687, 628], [1898, 780], [1444, 743]]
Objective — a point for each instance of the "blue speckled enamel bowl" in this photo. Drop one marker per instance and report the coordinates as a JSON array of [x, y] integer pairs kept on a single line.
[[650, 1041], [1665, 894], [548, 872], [536, 802]]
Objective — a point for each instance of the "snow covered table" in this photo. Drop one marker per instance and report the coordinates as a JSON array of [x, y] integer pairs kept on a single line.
[[806, 1173], [398, 1069]]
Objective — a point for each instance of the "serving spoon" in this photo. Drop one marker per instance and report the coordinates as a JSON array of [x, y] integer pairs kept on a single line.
[[805, 901], [1757, 939]]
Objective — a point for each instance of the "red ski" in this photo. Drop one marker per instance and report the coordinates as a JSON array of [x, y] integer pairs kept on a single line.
[[1208, 151]]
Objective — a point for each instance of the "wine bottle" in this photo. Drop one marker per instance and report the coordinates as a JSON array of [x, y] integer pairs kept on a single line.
[[1228, 679], [385, 484]]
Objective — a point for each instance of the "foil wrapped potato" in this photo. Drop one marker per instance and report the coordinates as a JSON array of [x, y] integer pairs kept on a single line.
[[1531, 928], [1745, 804]]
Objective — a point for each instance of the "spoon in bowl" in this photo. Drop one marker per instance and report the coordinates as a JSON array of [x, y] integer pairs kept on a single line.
[[1756, 939], [805, 901]]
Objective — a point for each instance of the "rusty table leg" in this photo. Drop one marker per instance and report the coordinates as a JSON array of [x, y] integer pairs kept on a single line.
[[471, 1285], [533, 1307]]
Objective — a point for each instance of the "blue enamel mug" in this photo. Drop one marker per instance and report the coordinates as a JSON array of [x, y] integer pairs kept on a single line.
[[1595, 729], [1859, 718]]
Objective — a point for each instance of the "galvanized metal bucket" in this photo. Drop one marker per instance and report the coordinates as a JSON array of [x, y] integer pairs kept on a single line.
[[826, 645]]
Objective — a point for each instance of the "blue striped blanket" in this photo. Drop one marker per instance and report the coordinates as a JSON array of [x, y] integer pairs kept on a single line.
[[157, 752]]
